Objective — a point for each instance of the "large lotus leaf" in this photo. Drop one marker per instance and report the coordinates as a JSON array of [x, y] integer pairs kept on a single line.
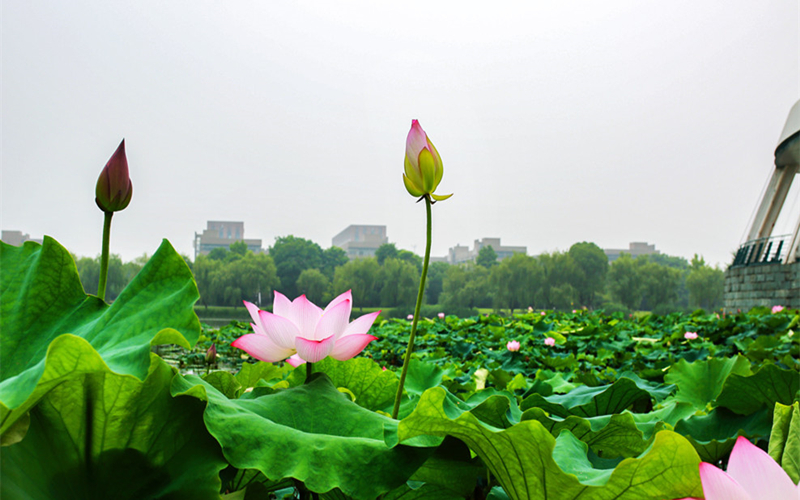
[[373, 387], [784, 441], [769, 385], [101, 435], [311, 432], [521, 458], [412, 490], [700, 382], [586, 401], [41, 299], [452, 467], [714, 435], [251, 374], [610, 436]]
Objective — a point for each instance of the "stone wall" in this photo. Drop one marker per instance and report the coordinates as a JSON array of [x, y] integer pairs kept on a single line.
[[762, 285]]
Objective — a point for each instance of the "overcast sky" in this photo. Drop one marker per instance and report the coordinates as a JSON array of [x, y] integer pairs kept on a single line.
[[557, 122]]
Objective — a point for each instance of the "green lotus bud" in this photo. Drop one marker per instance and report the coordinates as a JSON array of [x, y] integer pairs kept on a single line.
[[423, 165]]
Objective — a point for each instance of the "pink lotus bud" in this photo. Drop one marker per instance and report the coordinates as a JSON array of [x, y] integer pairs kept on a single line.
[[410, 317], [543, 313], [114, 187], [383, 368], [777, 309], [690, 335], [211, 354], [441, 315], [423, 165], [512, 346], [550, 341]]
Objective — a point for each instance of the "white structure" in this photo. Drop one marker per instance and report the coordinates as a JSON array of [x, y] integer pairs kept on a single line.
[[361, 241], [220, 234], [635, 249], [761, 245], [460, 253]]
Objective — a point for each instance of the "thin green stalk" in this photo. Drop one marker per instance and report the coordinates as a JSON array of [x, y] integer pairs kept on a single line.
[[414, 321], [101, 287]]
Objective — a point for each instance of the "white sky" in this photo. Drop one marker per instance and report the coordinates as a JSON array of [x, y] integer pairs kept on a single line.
[[557, 122]]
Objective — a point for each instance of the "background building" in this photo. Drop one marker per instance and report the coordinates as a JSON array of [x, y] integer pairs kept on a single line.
[[361, 241], [220, 234], [634, 249], [17, 238], [460, 253]]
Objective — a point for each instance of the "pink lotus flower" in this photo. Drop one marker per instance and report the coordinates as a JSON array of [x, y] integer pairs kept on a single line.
[[543, 313], [512, 346], [690, 335], [114, 187], [301, 328], [410, 317], [550, 341], [423, 165], [441, 315], [752, 475], [777, 309]]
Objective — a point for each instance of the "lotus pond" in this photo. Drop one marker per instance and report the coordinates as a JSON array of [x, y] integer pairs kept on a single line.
[[616, 407]]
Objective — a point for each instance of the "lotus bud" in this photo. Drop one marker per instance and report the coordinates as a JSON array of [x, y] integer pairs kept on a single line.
[[513, 345], [423, 165], [550, 341], [114, 188], [211, 354]]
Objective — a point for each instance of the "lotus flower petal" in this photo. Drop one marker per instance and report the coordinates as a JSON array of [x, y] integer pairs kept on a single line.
[[720, 486], [314, 350], [416, 141], [758, 474], [360, 325], [295, 360], [279, 329], [348, 295], [347, 347], [333, 322], [281, 305], [412, 188], [262, 347]]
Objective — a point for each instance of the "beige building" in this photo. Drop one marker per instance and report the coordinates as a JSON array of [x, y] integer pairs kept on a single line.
[[460, 253], [634, 249], [360, 241], [17, 238], [220, 234]]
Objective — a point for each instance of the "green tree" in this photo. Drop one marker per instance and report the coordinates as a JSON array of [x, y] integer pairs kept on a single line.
[[487, 257], [435, 282], [89, 272], [593, 265], [360, 276], [245, 278], [219, 253], [239, 248], [560, 274], [624, 282], [332, 258], [706, 285], [203, 270], [399, 283], [466, 286], [315, 285], [385, 251], [292, 256], [659, 284], [411, 258], [515, 281]]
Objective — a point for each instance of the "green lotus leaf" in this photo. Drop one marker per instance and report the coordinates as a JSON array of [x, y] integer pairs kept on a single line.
[[225, 383], [522, 458], [104, 435], [451, 467], [767, 386], [42, 300], [714, 435], [373, 387], [701, 382], [784, 441], [610, 436], [251, 373], [586, 401], [312, 433]]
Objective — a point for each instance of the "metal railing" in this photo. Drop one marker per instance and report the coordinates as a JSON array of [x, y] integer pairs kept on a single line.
[[770, 250]]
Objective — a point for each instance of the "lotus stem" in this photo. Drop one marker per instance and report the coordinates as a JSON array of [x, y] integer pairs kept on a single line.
[[407, 358], [309, 370], [101, 286]]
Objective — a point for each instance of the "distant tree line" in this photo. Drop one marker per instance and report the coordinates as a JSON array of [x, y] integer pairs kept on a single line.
[[577, 278]]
